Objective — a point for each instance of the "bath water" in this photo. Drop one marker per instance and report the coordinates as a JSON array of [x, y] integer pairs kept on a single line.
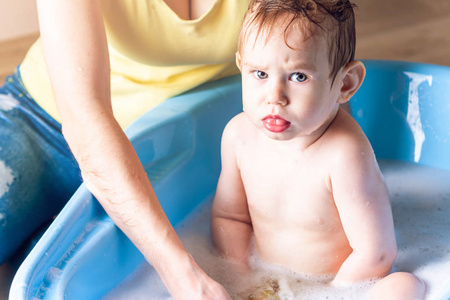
[[420, 199]]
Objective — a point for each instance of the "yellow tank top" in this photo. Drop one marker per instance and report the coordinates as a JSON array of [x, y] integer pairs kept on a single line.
[[154, 54]]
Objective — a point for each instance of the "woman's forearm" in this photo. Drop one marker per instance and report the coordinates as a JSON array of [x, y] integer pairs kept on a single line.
[[114, 174], [75, 48], [76, 52]]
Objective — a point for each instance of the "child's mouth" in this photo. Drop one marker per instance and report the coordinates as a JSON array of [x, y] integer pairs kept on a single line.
[[275, 123]]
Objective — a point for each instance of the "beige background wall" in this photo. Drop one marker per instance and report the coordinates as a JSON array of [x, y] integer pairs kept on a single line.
[[17, 18]]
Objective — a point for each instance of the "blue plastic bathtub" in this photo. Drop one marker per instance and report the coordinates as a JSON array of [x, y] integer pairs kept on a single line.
[[404, 109]]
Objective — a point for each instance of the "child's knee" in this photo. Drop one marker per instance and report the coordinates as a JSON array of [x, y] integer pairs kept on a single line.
[[399, 286]]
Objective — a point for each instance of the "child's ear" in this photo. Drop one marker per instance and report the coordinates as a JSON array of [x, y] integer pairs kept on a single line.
[[238, 60], [353, 76]]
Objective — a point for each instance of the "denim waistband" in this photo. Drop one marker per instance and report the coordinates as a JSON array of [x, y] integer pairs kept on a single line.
[[36, 117]]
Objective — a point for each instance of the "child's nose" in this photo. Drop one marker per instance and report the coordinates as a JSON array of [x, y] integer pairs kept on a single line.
[[276, 96], [277, 101]]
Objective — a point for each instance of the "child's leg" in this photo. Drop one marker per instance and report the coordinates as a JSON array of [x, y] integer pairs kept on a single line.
[[399, 286], [38, 174]]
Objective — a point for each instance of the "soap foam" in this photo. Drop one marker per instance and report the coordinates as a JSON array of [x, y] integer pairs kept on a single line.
[[420, 202], [6, 178]]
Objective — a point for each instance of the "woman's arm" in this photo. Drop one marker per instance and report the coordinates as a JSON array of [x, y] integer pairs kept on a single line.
[[76, 53]]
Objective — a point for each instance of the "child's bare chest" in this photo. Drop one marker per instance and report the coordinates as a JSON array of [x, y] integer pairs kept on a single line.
[[291, 206], [285, 190]]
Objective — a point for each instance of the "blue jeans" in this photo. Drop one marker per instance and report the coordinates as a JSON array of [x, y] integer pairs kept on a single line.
[[38, 173]]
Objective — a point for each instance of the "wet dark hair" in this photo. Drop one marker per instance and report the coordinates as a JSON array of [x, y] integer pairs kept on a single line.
[[334, 17]]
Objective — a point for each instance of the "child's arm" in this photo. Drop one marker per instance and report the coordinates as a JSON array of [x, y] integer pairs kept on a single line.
[[362, 200], [230, 220]]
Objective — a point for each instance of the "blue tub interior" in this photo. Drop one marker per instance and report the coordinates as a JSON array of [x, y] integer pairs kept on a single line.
[[403, 108]]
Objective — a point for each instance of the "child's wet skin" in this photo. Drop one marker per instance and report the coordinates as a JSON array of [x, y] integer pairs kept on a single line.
[[297, 171]]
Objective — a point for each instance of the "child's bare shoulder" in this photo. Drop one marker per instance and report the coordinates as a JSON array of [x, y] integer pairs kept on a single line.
[[236, 127], [236, 131], [237, 121], [347, 140], [352, 161]]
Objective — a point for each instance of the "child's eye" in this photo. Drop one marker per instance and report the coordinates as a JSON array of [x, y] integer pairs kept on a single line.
[[260, 74], [299, 77]]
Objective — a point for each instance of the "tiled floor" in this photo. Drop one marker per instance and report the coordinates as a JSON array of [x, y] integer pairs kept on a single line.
[[412, 30]]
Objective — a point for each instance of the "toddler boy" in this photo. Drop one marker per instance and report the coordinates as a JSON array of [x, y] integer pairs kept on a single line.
[[297, 171]]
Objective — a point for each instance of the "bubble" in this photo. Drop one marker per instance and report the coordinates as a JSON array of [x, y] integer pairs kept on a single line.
[[422, 231]]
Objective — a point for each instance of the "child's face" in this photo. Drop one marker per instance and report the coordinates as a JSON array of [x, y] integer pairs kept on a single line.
[[287, 93]]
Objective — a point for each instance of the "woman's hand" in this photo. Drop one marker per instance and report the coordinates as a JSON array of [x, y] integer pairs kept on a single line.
[[197, 285]]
